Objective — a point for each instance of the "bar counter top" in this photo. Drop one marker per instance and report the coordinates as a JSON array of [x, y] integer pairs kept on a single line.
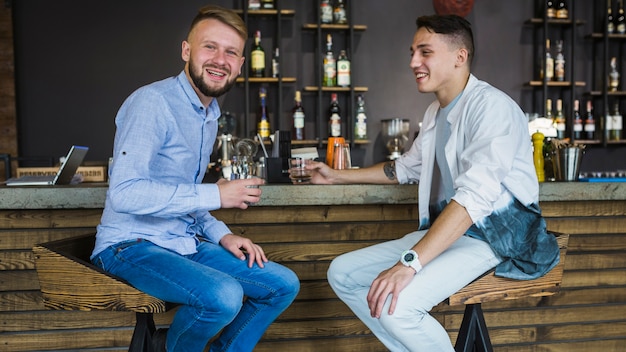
[[92, 195]]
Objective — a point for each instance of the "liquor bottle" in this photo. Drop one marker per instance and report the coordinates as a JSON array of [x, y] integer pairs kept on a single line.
[[615, 127], [620, 24], [561, 10], [549, 110], [360, 123], [267, 4], [330, 68], [590, 123], [326, 12], [550, 10], [298, 118], [559, 62], [263, 126], [578, 121], [613, 75], [549, 62], [254, 4], [276, 64], [343, 70], [339, 13], [334, 120], [257, 57], [559, 120], [610, 25]]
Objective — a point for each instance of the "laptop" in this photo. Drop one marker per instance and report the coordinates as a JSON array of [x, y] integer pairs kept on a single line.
[[64, 176]]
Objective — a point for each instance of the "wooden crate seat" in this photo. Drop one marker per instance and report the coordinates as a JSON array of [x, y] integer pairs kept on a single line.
[[473, 334], [69, 281]]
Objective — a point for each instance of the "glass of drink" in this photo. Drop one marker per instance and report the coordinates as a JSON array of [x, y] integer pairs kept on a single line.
[[297, 172]]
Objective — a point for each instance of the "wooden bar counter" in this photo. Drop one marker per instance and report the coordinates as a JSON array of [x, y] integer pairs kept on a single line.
[[304, 227]]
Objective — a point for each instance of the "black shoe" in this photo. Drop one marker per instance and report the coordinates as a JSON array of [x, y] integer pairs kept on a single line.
[[158, 340]]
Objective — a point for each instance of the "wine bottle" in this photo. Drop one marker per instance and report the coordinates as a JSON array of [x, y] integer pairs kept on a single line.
[[615, 127], [343, 70], [620, 25], [360, 123], [559, 120], [549, 109], [590, 123], [550, 9], [267, 4], [561, 10], [549, 62], [330, 68], [326, 12], [254, 4], [298, 118], [276, 64], [559, 62], [578, 121], [339, 13], [613, 75], [610, 25], [334, 119], [263, 126], [257, 57]]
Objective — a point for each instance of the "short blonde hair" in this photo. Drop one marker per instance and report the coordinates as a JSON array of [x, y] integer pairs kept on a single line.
[[226, 16]]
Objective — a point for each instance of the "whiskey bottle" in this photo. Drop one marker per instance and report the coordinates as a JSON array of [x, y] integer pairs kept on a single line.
[[343, 70], [276, 64], [334, 119], [578, 121], [610, 25], [559, 62], [263, 126], [561, 10], [549, 71], [559, 120], [615, 127], [339, 13], [326, 12], [257, 57], [613, 75], [620, 24], [360, 123], [330, 68], [298, 118], [590, 123], [550, 10]]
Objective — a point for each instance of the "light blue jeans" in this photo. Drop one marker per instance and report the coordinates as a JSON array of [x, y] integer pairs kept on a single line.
[[411, 327], [210, 287]]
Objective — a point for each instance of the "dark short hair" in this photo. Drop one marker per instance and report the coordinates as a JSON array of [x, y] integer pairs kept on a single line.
[[224, 15], [456, 28]]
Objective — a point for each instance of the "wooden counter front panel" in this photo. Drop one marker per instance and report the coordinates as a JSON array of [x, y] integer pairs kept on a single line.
[[588, 315]]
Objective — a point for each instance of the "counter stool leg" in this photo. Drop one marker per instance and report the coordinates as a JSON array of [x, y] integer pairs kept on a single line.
[[142, 336], [473, 335]]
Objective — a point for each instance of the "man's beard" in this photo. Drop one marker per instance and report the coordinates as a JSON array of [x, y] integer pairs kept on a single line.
[[196, 77]]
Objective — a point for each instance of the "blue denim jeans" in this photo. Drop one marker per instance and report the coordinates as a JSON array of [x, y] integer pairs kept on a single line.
[[411, 327], [210, 286]]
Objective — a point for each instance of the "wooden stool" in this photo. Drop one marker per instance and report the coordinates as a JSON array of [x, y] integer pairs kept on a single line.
[[69, 281], [473, 334]]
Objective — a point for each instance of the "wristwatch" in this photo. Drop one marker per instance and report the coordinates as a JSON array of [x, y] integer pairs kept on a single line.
[[411, 259]]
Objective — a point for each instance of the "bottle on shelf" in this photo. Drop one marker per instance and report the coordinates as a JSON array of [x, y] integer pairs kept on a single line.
[[330, 68], [339, 13], [549, 110], [334, 117], [326, 12], [561, 10], [263, 126], [578, 121], [267, 4], [276, 64], [360, 122], [590, 123], [549, 66], [550, 9], [615, 126], [343, 69], [298, 118], [613, 75], [610, 25], [559, 62], [620, 23], [257, 57], [559, 120], [254, 4]]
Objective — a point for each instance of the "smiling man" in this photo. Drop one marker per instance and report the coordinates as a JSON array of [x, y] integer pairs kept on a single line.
[[156, 231], [478, 199]]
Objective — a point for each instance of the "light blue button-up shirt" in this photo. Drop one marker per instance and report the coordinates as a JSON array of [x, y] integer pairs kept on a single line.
[[163, 143]]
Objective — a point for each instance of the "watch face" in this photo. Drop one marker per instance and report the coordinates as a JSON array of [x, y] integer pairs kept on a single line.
[[409, 257]]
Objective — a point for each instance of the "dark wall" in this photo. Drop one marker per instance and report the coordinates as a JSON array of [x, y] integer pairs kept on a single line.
[[76, 61]]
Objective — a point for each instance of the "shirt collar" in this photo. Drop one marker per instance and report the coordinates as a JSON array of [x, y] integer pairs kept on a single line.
[[213, 112]]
